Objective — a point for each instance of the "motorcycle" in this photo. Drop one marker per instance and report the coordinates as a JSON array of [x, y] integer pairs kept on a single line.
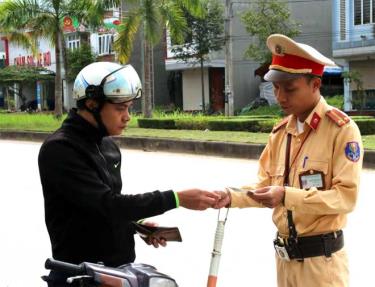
[[129, 275]]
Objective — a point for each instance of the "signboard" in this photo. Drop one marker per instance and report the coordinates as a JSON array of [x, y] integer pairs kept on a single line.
[[41, 60]]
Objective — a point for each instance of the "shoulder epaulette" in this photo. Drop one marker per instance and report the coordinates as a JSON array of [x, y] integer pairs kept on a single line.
[[338, 117], [279, 125]]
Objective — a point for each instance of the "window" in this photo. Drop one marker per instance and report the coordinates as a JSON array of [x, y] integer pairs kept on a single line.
[[357, 12], [343, 20], [364, 12], [105, 42], [73, 42]]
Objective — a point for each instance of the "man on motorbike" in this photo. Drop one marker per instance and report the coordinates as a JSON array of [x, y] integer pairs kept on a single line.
[[87, 217]]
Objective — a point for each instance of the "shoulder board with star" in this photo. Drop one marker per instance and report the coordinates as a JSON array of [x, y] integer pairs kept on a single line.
[[279, 125], [338, 117]]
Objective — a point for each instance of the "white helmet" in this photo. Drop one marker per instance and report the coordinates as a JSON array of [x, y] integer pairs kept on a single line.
[[107, 81]]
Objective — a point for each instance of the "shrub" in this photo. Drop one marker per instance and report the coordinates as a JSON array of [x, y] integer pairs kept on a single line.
[[336, 101], [192, 124], [366, 126], [355, 118], [251, 125], [157, 124], [257, 117]]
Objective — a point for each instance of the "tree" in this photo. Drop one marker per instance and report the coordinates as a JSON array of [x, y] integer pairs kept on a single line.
[[263, 19], [78, 59], [204, 34], [44, 19], [355, 77], [152, 17]]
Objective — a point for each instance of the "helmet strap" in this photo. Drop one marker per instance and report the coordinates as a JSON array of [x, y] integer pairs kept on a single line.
[[96, 114]]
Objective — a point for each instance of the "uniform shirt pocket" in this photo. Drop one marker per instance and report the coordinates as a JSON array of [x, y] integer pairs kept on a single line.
[[317, 165]]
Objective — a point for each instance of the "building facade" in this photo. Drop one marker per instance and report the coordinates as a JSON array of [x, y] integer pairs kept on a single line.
[[354, 48], [42, 94], [30, 95], [316, 30]]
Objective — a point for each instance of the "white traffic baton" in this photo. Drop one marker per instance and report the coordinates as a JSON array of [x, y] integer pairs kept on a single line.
[[216, 252]]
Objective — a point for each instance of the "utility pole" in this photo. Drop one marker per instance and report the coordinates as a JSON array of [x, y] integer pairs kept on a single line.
[[229, 110]]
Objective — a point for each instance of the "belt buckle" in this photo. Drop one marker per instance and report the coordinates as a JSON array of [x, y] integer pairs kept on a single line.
[[280, 249]]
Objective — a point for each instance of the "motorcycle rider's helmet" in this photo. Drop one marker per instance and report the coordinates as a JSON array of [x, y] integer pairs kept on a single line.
[[107, 81]]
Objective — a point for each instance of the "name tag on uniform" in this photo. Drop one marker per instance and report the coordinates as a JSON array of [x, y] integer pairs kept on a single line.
[[312, 178]]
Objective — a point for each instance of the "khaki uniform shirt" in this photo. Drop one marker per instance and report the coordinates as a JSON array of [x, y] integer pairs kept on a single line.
[[333, 147]]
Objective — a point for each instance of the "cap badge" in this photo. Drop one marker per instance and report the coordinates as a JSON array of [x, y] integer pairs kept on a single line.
[[279, 49]]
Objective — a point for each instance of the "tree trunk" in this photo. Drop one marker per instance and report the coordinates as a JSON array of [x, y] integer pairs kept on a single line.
[[7, 97], [147, 96], [58, 79], [202, 84]]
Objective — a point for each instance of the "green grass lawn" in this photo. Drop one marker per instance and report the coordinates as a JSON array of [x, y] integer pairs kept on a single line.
[[29, 122], [47, 123]]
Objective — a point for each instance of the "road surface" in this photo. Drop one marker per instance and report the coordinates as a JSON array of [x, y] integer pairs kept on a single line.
[[248, 256]]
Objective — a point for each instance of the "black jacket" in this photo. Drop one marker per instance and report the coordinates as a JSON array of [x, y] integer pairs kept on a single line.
[[87, 217]]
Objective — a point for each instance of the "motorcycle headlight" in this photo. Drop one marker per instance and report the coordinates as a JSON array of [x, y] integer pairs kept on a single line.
[[162, 282]]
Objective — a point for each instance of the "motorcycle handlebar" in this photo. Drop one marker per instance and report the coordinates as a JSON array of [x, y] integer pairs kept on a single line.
[[52, 264]]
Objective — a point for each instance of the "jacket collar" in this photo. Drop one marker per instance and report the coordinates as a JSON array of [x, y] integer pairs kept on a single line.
[[82, 127]]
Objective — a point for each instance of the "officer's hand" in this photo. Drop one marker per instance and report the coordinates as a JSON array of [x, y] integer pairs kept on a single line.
[[197, 199], [270, 196], [224, 201], [152, 240]]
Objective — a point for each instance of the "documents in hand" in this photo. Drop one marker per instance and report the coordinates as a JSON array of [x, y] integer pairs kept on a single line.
[[236, 189], [158, 232]]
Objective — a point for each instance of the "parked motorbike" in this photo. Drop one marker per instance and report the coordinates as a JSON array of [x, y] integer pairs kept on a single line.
[[129, 275]]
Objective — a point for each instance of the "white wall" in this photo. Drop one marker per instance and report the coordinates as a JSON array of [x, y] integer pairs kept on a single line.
[[45, 50], [192, 89]]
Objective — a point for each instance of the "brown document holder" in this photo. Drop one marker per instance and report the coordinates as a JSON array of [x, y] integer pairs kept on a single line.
[[158, 232]]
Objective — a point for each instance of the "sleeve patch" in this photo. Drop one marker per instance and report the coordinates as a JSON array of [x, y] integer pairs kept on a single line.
[[352, 151]]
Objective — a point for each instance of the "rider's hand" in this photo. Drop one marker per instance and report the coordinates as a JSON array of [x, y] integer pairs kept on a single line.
[[224, 201], [152, 240], [197, 199]]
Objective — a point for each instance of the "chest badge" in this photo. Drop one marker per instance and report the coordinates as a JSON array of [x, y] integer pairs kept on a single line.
[[312, 178]]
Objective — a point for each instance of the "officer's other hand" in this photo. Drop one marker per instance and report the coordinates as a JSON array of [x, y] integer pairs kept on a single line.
[[197, 199], [224, 200], [270, 196], [152, 240]]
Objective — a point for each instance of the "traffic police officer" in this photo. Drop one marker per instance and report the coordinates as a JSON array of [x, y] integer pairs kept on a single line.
[[308, 172]]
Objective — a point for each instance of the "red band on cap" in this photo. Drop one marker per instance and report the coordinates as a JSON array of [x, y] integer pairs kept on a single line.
[[297, 63]]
